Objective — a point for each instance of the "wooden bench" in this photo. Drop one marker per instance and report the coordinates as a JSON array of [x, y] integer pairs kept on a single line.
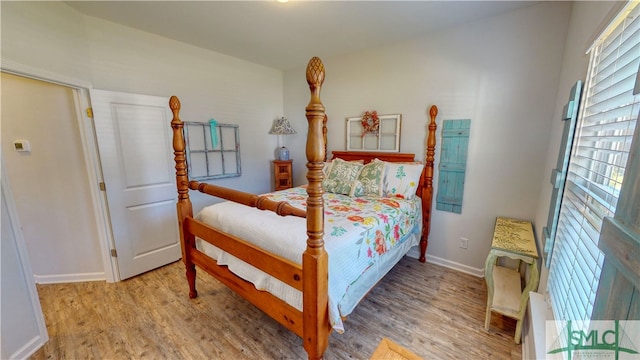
[[512, 238]]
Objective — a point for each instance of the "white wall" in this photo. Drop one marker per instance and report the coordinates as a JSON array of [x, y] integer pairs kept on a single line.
[[588, 19], [500, 72], [209, 85], [45, 35], [50, 183], [53, 38]]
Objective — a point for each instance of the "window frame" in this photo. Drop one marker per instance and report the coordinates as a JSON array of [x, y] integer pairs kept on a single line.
[[598, 157], [229, 153]]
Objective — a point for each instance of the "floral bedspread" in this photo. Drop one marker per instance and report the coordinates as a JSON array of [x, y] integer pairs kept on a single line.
[[361, 234], [375, 224]]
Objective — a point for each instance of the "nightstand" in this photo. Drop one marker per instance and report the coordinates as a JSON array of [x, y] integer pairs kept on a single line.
[[513, 239], [282, 174]]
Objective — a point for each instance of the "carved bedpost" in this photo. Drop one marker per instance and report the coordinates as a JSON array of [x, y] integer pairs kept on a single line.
[[182, 183], [324, 135], [427, 196], [314, 259]]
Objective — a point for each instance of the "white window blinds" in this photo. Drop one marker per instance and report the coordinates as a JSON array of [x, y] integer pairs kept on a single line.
[[608, 116]]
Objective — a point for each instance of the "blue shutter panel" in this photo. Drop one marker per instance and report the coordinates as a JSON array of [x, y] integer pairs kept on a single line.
[[453, 165], [559, 174]]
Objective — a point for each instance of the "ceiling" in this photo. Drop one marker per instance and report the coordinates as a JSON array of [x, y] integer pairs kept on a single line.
[[286, 35]]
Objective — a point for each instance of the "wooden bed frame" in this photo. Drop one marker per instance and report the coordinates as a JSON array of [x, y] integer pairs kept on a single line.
[[311, 324]]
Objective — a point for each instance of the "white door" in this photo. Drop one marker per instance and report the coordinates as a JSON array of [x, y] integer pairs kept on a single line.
[[23, 330], [134, 140]]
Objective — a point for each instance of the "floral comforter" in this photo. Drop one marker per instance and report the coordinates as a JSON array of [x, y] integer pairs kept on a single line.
[[364, 238]]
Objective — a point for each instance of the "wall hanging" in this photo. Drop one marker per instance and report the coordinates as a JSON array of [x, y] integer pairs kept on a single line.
[[213, 150], [373, 132], [453, 164]]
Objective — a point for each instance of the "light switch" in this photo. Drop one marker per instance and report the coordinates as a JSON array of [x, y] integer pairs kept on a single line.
[[22, 145]]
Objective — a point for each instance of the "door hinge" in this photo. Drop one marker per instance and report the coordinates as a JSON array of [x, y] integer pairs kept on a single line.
[[90, 112], [114, 253], [103, 187]]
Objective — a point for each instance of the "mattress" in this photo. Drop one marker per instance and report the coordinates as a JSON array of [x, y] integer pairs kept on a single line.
[[364, 238]]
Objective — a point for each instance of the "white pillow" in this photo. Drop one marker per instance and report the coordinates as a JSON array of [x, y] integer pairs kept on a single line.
[[401, 180]]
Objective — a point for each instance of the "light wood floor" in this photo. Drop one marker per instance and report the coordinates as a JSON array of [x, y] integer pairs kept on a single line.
[[433, 311]]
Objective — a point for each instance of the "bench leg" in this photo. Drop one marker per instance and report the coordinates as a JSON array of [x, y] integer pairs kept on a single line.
[[518, 334], [487, 318]]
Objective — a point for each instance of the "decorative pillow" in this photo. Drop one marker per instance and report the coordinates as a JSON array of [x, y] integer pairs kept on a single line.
[[371, 177], [356, 189], [341, 177], [401, 180], [326, 168], [360, 161], [339, 186]]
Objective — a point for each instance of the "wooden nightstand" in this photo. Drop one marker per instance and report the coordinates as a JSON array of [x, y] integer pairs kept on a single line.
[[282, 174]]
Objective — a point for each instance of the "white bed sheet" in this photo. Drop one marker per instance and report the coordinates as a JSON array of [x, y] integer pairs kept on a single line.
[[353, 268]]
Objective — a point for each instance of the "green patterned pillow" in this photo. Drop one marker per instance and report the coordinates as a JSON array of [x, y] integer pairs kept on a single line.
[[341, 177], [356, 189], [338, 186], [326, 168], [372, 176]]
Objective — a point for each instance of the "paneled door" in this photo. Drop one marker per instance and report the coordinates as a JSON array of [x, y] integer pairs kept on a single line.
[[134, 141]]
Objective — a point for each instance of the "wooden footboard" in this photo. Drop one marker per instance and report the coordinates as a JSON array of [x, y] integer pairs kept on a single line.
[[276, 266], [312, 324]]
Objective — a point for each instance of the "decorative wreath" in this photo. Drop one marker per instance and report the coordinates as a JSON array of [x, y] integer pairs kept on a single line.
[[370, 123]]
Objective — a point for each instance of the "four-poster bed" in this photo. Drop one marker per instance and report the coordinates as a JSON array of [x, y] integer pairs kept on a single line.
[[226, 245]]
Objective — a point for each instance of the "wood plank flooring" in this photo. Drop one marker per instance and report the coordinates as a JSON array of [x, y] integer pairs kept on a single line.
[[437, 313]]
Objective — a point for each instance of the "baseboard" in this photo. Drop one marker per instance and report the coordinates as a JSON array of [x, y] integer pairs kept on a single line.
[[69, 278], [415, 253], [30, 347], [533, 327]]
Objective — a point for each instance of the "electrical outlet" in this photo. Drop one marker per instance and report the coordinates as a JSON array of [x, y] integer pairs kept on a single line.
[[464, 243]]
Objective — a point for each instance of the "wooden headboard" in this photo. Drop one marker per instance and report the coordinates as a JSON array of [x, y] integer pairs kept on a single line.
[[368, 156], [425, 187]]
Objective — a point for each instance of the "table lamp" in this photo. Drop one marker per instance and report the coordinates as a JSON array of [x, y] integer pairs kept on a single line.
[[281, 127]]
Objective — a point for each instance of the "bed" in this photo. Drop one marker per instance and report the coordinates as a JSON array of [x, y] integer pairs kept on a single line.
[[297, 282]]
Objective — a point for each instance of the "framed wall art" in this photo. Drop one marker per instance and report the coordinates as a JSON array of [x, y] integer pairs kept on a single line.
[[373, 132]]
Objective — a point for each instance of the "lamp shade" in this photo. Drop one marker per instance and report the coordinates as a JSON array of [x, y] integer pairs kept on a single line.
[[281, 127]]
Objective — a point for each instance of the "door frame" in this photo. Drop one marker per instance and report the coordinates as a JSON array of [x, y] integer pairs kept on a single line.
[[90, 154]]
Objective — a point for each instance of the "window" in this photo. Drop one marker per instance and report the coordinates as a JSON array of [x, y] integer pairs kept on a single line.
[[212, 159], [383, 137], [596, 169]]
